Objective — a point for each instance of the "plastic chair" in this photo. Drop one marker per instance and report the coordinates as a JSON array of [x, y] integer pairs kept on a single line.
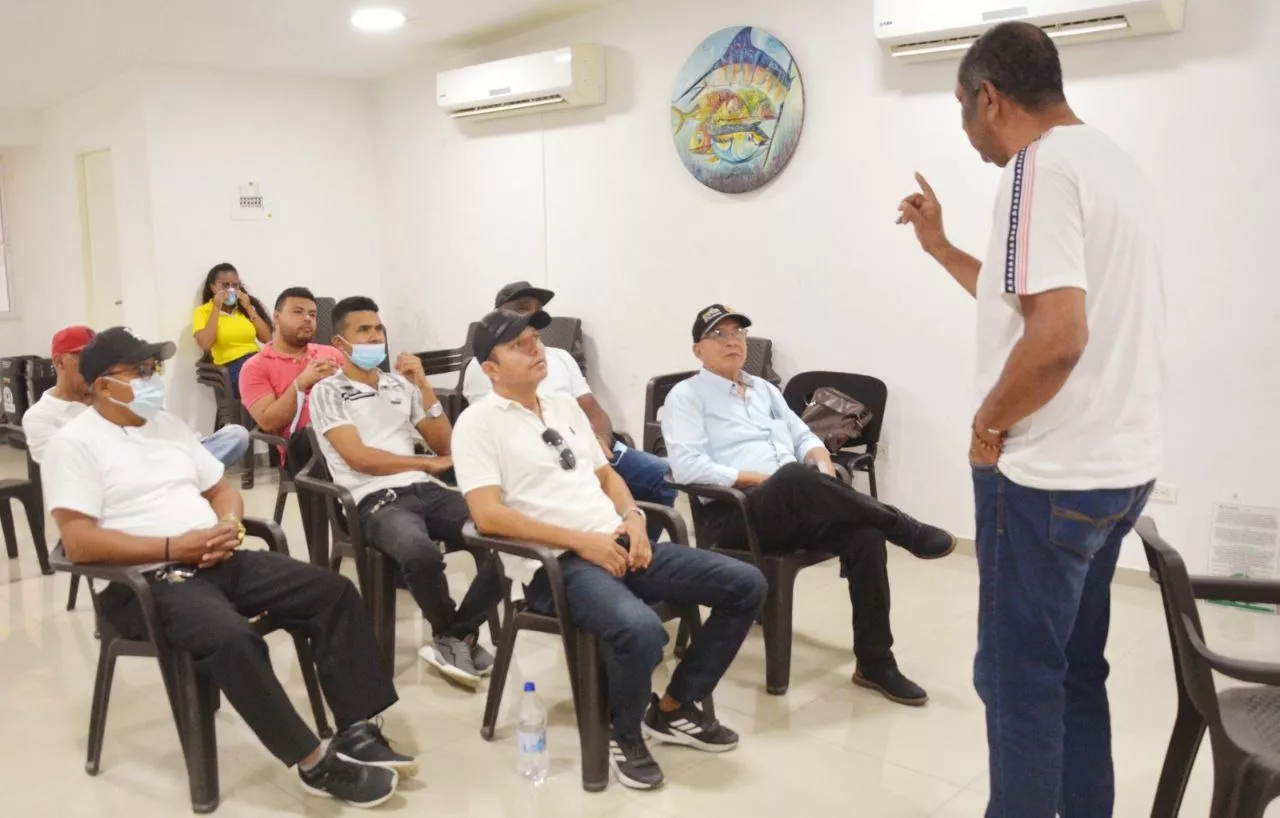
[[760, 360], [229, 409], [376, 572], [655, 394], [583, 651], [193, 697], [871, 392], [1243, 722], [275, 445], [30, 493]]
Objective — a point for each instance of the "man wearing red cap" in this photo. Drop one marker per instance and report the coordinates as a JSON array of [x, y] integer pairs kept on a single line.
[[70, 395]]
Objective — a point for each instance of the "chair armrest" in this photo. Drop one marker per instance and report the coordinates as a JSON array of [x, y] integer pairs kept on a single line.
[[13, 430], [131, 576], [1244, 670], [268, 438], [269, 531], [627, 439], [860, 461], [1257, 591], [842, 473], [672, 523], [725, 494]]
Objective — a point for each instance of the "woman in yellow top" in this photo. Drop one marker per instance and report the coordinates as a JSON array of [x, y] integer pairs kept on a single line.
[[241, 322]]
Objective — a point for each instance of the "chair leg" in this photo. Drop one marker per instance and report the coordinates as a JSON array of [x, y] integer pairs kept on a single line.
[[593, 714], [871, 476], [1226, 778], [98, 713], [778, 605], [498, 679], [35, 519], [682, 640], [1184, 744], [73, 592], [199, 739], [6, 523], [281, 497], [382, 605], [307, 662]]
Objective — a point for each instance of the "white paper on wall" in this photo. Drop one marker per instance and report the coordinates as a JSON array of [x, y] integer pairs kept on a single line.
[[1245, 543]]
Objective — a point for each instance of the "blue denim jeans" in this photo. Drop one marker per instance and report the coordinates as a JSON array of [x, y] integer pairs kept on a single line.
[[1045, 564], [646, 476], [228, 444], [617, 610]]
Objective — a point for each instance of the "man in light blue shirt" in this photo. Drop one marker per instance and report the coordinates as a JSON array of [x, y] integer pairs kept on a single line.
[[725, 427]]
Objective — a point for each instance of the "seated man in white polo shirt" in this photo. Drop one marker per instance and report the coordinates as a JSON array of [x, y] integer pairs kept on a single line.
[[531, 469], [369, 422], [130, 484]]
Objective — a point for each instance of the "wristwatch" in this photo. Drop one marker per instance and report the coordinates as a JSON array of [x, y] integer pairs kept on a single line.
[[435, 410]]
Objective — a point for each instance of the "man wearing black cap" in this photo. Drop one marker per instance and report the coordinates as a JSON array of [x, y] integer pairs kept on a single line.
[[645, 474], [725, 427], [369, 422], [530, 467], [129, 484]]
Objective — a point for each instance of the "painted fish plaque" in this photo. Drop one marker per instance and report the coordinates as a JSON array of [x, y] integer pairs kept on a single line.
[[738, 109]]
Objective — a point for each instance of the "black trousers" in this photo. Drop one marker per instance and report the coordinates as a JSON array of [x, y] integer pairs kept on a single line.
[[407, 529], [208, 615], [801, 508]]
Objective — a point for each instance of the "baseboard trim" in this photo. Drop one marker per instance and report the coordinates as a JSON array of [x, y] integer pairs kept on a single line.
[[1131, 577]]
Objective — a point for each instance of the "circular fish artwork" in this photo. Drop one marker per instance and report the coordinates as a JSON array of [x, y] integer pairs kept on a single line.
[[737, 109]]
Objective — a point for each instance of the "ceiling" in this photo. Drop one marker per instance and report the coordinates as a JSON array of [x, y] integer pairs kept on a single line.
[[53, 49]]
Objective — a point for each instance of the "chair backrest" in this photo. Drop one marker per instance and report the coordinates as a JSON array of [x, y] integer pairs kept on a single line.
[[655, 394], [1193, 675], [317, 468], [443, 361], [324, 319], [760, 360], [871, 392]]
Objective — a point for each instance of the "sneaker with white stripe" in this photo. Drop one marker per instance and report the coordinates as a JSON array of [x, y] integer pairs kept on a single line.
[[688, 726], [633, 766]]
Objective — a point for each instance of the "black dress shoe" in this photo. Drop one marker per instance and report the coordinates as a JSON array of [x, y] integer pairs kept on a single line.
[[891, 684], [926, 542]]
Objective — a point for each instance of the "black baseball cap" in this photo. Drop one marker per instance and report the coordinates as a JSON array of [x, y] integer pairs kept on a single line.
[[708, 317], [501, 326], [519, 289], [119, 345]]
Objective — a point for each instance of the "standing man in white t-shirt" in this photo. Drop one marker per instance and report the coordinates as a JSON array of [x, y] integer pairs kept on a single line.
[[645, 474], [70, 396], [1066, 443]]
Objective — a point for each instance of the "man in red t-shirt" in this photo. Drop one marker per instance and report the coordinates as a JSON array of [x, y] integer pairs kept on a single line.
[[275, 383]]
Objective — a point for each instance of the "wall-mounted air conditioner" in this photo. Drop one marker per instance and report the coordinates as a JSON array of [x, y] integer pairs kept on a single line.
[[917, 30], [569, 77]]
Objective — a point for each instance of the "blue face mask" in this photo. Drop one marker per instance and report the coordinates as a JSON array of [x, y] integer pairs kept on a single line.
[[231, 297], [148, 396], [368, 356]]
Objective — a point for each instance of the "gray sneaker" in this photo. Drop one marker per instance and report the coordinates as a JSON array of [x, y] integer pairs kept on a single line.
[[452, 657], [481, 659]]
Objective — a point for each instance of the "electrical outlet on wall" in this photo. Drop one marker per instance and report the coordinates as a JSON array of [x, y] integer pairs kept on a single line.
[[1164, 493]]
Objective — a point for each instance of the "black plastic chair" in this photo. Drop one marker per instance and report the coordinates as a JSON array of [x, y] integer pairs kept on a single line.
[[30, 493], [229, 410], [193, 697], [871, 392], [779, 569], [760, 360], [377, 573], [275, 445], [1243, 722], [583, 651], [655, 394]]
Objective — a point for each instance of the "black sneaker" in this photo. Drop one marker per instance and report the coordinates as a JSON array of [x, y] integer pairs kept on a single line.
[[892, 685], [363, 743], [633, 766], [688, 726], [357, 784], [924, 541]]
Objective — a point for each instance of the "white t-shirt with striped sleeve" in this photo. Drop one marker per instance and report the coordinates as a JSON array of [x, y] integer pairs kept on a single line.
[[1075, 210]]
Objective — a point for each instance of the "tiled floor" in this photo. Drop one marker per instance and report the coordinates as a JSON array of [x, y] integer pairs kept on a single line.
[[825, 748]]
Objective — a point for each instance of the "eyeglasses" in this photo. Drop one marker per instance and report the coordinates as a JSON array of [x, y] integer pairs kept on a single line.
[[142, 370], [568, 460], [718, 334]]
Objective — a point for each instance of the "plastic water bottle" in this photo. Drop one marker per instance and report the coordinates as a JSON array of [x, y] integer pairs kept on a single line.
[[531, 732]]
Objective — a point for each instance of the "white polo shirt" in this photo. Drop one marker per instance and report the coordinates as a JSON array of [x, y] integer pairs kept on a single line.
[[147, 480], [42, 421], [385, 418], [563, 376], [498, 442], [1076, 211]]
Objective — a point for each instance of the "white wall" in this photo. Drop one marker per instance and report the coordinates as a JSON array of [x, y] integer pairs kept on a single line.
[[595, 204]]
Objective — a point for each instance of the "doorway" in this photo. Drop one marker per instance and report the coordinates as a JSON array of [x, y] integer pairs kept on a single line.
[[104, 287]]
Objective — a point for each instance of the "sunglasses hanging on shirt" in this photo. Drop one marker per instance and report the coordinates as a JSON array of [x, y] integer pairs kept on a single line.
[[567, 458]]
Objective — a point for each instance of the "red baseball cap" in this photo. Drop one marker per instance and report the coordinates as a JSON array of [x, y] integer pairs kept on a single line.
[[71, 339]]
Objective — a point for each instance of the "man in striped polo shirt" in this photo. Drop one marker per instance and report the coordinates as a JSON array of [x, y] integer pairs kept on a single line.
[[1066, 442]]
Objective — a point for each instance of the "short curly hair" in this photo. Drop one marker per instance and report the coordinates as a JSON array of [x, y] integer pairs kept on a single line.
[[1020, 60]]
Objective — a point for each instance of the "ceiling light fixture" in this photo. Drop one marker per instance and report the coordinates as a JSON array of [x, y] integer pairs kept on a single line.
[[377, 19]]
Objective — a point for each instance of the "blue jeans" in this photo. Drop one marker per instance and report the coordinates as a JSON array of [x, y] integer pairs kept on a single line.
[[228, 444], [646, 476], [233, 370], [617, 610], [1045, 564]]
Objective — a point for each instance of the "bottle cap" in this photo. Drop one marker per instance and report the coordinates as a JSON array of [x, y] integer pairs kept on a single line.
[[529, 687]]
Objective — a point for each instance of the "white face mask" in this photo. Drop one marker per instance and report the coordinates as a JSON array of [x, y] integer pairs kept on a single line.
[[148, 396]]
